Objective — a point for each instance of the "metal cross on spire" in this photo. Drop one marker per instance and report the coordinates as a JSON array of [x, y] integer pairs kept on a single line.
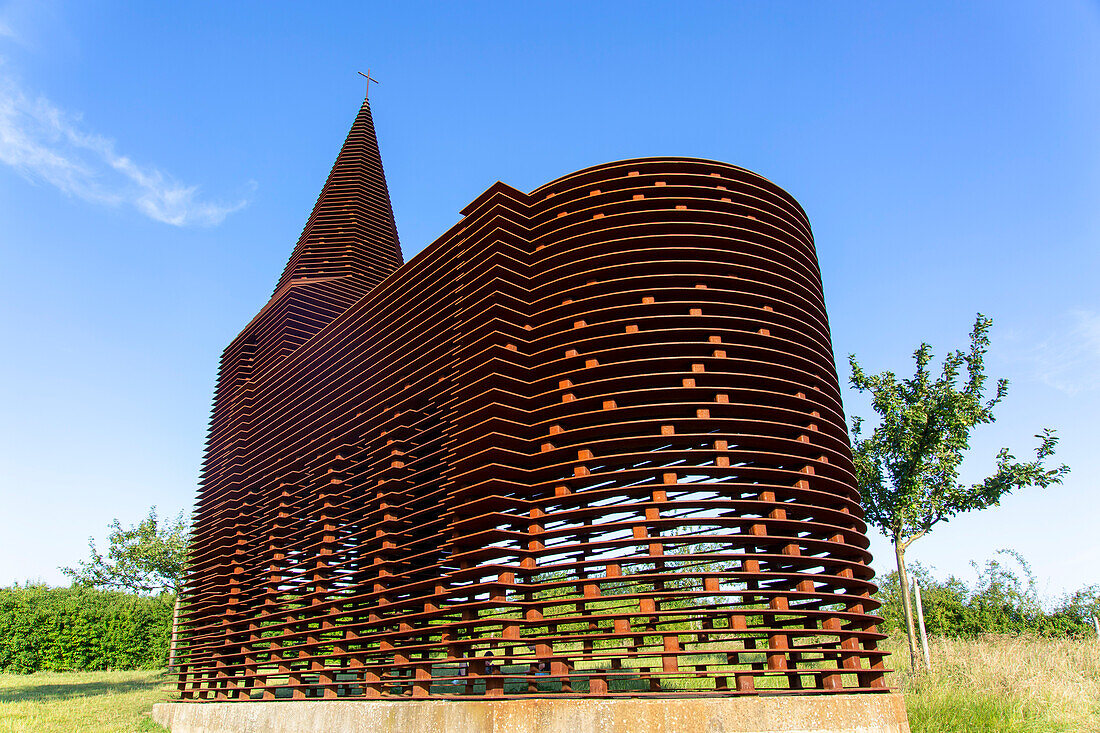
[[369, 79]]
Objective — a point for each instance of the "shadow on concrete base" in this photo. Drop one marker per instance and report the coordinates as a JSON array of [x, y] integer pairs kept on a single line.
[[841, 713]]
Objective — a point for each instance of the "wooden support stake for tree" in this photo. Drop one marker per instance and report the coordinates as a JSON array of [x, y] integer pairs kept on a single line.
[[923, 632]]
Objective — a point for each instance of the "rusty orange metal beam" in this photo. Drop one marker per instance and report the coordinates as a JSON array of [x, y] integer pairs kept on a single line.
[[590, 441]]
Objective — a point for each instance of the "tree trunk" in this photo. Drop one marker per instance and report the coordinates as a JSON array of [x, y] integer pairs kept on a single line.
[[172, 642], [906, 604]]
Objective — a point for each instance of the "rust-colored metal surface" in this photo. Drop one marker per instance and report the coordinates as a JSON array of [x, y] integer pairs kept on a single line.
[[589, 441]]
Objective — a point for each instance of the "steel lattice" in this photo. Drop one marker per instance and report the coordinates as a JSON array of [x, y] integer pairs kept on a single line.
[[589, 441]]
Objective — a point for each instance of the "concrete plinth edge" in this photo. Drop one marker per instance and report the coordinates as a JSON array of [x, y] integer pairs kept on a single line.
[[841, 713]]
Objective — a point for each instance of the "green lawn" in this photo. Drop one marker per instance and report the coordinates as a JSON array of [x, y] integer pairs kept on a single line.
[[80, 702]]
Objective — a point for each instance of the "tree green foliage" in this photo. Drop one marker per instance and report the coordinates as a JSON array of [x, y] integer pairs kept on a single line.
[[78, 628], [908, 467], [1000, 601], [145, 558]]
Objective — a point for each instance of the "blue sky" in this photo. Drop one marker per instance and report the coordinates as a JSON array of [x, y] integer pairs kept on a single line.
[[157, 163]]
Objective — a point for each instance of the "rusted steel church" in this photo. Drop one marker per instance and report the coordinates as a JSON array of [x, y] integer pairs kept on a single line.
[[588, 442]]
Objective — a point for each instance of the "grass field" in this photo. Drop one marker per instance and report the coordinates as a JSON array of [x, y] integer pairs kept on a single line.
[[994, 685], [80, 702], [1003, 684]]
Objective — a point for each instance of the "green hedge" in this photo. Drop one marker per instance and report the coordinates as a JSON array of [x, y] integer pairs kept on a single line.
[[63, 629]]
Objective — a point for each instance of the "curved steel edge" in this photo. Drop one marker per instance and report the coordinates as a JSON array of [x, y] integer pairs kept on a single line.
[[589, 442]]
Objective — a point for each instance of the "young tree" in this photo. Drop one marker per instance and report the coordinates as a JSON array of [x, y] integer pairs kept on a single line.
[[148, 557], [145, 558], [908, 468]]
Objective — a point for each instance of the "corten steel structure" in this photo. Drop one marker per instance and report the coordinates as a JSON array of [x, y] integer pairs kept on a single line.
[[589, 441]]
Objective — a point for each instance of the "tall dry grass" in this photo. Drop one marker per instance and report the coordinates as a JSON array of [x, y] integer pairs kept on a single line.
[[1022, 683]]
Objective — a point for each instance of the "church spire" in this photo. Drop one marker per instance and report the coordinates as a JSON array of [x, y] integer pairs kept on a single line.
[[351, 233]]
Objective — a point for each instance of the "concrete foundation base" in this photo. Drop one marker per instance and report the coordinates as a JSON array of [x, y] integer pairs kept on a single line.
[[852, 713]]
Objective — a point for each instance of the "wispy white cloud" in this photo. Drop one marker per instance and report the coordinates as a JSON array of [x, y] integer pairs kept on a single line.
[[1069, 358], [46, 144]]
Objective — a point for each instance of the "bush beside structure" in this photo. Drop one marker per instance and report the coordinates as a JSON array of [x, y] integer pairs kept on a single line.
[[75, 629]]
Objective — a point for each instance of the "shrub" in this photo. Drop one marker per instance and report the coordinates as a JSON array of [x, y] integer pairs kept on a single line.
[[1001, 601], [68, 629]]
